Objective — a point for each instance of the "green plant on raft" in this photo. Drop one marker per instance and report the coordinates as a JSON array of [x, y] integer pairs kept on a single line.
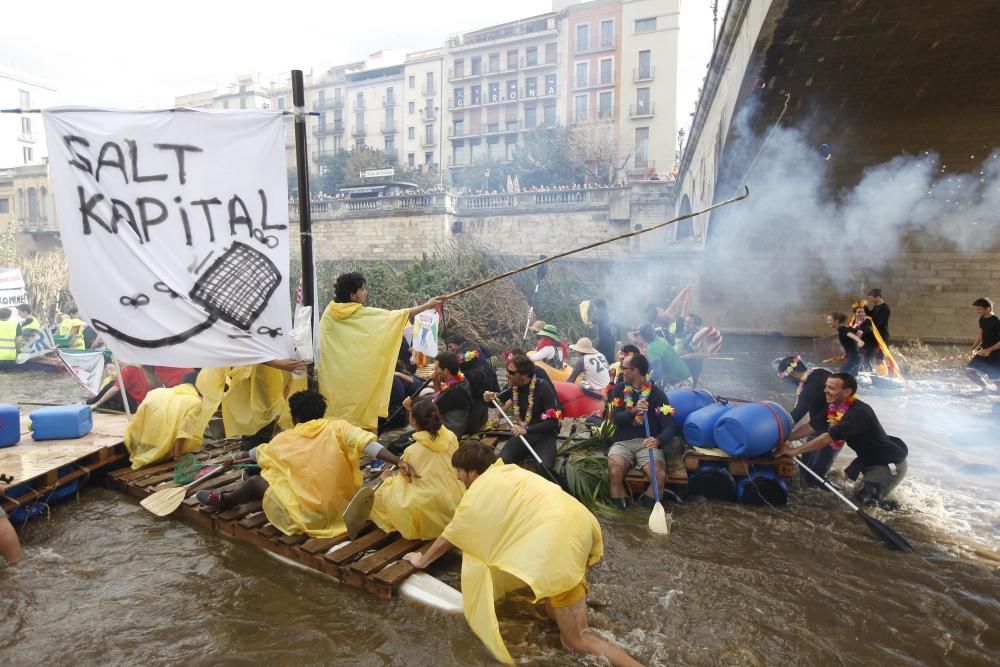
[[599, 439], [587, 479]]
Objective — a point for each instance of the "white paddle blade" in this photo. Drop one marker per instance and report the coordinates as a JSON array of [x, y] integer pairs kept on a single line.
[[433, 592], [358, 510], [164, 502], [658, 522]]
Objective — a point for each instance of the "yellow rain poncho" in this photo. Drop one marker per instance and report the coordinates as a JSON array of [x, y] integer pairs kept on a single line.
[[358, 351], [516, 529], [312, 472], [164, 416], [255, 398], [421, 509]]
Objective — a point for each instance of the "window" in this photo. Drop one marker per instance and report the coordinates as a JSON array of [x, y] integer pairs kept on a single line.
[[28, 153], [243, 103], [24, 99], [359, 101], [411, 107], [475, 151], [582, 37], [429, 108], [429, 83], [359, 121], [428, 158], [512, 90], [530, 118], [390, 96], [492, 128], [645, 66], [604, 102], [390, 146], [549, 114], [477, 65], [20, 203], [337, 142], [641, 147], [281, 103], [4, 205], [550, 84], [493, 148], [531, 56], [476, 95], [607, 75], [512, 59], [243, 89], [459, 97], [411, 160], [642, 100], [531, 87], [494, 92], [458, 128], [494, 62], [429, 135], [607, 33], [411, 133], [551, 53], [645, 25], [582, 74], [458, 152], [359, 145], [26, 127], [459, 68], [32, 204], [580, 107], [390, 119], [412, 83], [510, 145]]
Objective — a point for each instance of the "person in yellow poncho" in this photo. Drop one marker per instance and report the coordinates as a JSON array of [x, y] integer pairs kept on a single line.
[[166, 424], [358, 350], [515, 530], [308, 474], [420, 509]]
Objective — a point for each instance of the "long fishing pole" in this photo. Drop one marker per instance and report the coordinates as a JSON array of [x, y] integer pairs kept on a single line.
[[596, 244]]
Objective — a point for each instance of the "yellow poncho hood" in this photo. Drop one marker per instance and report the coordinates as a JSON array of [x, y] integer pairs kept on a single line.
[[421, 509], [515, 529], [358, 350], [312, 473], [163, 416]]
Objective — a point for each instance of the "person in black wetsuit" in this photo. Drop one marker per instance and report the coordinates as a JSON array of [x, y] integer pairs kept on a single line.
[[986, 351], [880, 314], [862, 325], [881, 460], [849, 340], [809, 401]]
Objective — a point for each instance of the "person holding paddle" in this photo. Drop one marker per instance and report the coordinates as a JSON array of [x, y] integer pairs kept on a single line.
[[310, 473], [537, 538], [881, 461]]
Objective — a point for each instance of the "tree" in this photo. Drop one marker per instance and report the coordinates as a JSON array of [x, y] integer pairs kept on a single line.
[[596, 146], [547, 158]]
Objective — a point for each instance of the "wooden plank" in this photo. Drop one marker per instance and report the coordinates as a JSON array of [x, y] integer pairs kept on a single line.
[[239, 511], [401, 569], [386, 554], [566, 428], [155, 479], [269, 531], [317, 545], [372, 540], [253, 521], [130, 475], [292, 540]]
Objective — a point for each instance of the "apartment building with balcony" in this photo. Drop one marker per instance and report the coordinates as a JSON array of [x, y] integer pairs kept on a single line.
[[502, 81], [248, 91], [22, 139], [593, 62], [649, 88], [423, 115]]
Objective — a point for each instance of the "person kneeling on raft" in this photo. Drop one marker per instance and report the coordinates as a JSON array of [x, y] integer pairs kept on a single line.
[[539, 537], [166, 424], [419, 509], [309, 474], [881, 460]]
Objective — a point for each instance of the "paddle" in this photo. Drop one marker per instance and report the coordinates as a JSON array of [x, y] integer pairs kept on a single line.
[[166, 501], [658, 517], [891, 538], [360, 508], [531, 449]]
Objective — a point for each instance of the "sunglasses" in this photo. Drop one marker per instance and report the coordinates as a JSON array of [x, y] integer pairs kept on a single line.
[[511, 371]]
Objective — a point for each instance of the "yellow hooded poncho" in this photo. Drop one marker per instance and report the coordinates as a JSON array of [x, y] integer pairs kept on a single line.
[[255, 396], [516, 529], [312, 473], [358, 351], [421, 509], [163, 416]]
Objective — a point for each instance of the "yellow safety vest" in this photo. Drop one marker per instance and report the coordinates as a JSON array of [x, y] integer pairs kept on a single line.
[[31, 323], [66, 330], [8, 340]]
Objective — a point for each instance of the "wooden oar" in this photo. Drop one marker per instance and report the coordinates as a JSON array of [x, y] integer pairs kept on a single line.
[[360, 508], [891, 538], [166, 501], [531, 449], [658, 517]]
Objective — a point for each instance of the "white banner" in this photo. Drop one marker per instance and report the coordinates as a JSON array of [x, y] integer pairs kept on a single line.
[[87, 368], [11, 288], [425, 332], [175, 227]]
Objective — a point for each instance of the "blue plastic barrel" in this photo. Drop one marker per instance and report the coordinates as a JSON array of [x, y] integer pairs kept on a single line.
[[752, 430], [686, 401], [699, 426], [762, 487], [713, 481], [10, 425]]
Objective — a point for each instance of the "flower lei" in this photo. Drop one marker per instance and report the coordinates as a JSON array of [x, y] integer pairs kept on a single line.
[[628, 400], [835, 412], [455, 379], [471, 355], [792, 365], [552, 413], [531, 401], [802, 384]]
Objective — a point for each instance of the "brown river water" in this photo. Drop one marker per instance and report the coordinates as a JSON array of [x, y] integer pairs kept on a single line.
[[104, 582]]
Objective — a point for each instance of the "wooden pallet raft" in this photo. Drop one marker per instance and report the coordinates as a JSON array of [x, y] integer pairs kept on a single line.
[[372, 562]]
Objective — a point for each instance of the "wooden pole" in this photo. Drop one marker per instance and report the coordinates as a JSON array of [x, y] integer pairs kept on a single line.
[[305, 222], [546, 260]]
